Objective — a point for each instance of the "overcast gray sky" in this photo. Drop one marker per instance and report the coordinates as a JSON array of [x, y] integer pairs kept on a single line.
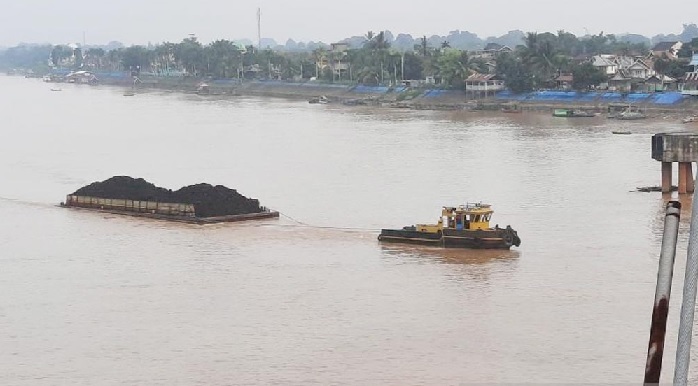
[[140, 22]]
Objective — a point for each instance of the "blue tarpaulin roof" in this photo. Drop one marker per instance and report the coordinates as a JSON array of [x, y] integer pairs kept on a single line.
[[665, 98]]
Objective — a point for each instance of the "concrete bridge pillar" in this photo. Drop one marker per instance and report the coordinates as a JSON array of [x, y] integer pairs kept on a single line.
[[676, 147], [686, 183], [666, 177]]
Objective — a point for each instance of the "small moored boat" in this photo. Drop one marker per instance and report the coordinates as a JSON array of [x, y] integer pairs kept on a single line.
[[512, 109], [465, 226], [631, 116], [321, 100], [569, 113]]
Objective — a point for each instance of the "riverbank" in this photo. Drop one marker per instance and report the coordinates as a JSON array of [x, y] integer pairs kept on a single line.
[[410, 98]]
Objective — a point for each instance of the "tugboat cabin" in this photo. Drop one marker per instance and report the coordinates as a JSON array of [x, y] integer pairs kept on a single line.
[[464, 217]]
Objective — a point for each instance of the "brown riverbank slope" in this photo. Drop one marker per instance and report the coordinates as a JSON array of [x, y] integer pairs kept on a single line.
[[396, 97]]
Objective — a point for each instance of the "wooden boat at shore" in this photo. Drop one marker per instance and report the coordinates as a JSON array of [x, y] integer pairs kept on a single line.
[[631, 116], [319, 100], [511, 109], [465, 226], [625, 113], [571, 113]]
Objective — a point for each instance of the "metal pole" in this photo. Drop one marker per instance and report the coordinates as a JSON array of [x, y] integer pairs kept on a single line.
[[688, 305], [402, 67], [665, 273]]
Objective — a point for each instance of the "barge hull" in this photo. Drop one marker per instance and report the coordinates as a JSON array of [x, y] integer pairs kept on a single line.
[[177, 212]]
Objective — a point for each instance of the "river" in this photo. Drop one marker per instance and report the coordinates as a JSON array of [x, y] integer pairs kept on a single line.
[[93, 299]]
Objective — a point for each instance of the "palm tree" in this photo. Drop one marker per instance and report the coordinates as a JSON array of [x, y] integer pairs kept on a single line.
[[368, 38], [380, 42], [165, 55], [542, 56], [224, 56], [94, 57], [424, 45], [445, 44], [114, 58], [320, 57]]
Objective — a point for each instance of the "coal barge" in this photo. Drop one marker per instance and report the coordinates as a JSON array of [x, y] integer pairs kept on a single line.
[[465, 226], [197, 204]]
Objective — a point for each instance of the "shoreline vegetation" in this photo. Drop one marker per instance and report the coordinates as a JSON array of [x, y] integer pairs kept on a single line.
[[378, 69]]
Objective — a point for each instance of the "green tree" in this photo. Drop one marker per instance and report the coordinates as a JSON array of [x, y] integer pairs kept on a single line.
[[165, 56], [673, 68], [423, 46], [28, 57], [567, 43], [542, 58], [94, 57], [113, 59], [478, 65], [453, 67], [596, 44], [585, 76], [516, 76], [413, 67], [688, 48], [224, 58], [135, 58], [60, 53], [190, 53], [77, 54]]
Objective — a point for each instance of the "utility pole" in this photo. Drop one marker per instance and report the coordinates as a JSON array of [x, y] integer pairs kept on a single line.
[[259, 28], [402, 67], [382, 80]]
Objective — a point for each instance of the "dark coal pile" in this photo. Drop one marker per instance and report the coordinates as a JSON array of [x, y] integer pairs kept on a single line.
[[208, 200], [128, 188], [211, 201]]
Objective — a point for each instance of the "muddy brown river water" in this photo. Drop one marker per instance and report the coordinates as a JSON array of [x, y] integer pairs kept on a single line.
[[88, 299]]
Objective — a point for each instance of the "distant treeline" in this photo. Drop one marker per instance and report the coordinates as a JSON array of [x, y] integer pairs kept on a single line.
[[534, 61]]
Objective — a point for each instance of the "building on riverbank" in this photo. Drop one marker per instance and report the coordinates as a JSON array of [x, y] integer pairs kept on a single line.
[[689, 86], [483, 85]]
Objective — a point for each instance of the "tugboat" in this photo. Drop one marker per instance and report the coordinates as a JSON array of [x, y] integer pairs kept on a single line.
[[465, 226]]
